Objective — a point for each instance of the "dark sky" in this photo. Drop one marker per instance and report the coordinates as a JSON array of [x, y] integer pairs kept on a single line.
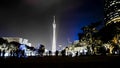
[[32, 19]]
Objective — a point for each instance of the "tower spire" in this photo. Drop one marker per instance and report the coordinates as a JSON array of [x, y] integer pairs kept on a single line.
[[54, 19]]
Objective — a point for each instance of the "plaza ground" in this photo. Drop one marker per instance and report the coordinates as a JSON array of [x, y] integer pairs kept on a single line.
[[63, 62]]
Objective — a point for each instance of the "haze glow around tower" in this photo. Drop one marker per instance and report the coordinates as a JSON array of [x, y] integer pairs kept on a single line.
[[33, 19], [54, 36]]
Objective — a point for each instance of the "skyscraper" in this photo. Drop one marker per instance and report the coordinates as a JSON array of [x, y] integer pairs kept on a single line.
[[54, 36], [112, 19], [112, 11]]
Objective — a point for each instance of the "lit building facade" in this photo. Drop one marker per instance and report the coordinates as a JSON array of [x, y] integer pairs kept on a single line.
[[112, 11]]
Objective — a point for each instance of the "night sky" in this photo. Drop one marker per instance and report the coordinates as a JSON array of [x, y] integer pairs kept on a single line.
[[32, 19]]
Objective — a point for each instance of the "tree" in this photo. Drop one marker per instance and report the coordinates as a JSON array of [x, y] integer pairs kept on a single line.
[[15, 44], [109, 31], [90, 30], [3, 41], [3, 46], [41, 49], [14, 47]]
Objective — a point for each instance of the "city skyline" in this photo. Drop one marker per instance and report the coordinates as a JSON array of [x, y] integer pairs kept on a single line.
[[32, 19]]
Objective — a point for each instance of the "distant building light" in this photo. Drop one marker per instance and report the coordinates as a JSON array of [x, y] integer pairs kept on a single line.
[[119, 10], [113, 20]]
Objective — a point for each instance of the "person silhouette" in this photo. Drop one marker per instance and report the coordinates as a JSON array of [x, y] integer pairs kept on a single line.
[[56, 53], [3, 53]]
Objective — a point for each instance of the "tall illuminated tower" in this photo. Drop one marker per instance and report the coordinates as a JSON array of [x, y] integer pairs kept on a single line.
[[54, 36]]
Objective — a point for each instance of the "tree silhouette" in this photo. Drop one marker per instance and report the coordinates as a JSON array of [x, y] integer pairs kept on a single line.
[[16, 44], [14, 47], [41, 49], [89, 31], [108, 32], [3, 41]]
